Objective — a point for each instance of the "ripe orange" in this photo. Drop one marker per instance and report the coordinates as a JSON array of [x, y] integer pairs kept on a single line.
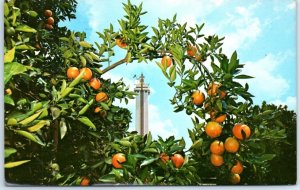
[[213, 88], [87, 73], [166, 61], [97, 110], [216, 159], [8, 91], [221, 118], [213, 129], [101, 97], [72, 72], [121, 43], [191, 51], [198, 97], [231, 145], [49, 26], [237, 168], [237, 131], [48, 13], [222, 94], [85, 182], [118, 159], [50, 20], [95, 83], [235, 178], [177, 160], [164, 157], [217, 147]]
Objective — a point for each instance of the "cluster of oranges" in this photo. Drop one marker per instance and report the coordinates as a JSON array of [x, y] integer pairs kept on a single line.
[[177, 159], [50, 20], [231, 145], [95, 83]]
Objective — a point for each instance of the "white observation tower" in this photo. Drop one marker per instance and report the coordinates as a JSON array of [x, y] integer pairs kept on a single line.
[[142, 91]]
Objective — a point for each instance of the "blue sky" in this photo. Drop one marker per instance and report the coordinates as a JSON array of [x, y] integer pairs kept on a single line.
[[263, 33]]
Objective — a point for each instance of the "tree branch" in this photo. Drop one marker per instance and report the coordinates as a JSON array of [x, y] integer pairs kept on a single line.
[[114, 65]]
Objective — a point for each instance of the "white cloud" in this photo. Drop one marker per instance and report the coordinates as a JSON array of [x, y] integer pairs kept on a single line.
[[291, 5], [158, 126], [289, 101], [266, 84]]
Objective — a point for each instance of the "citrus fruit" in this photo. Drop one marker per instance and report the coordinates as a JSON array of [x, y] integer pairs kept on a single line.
[[72, 72], [48, 13], [87, 73], [95, 83], [8, 91], [231, 145], [164, 157], [191, 51], [50, 20], [239, 129], [121, 43], [101, 97], [118, 159], [177, 160], [213, 129], [49, 26], [235, 178], [97, 110], [85, 182], [217, 147], [237, 168], [213, 88], [216, 160], [220, 118], [166, 61], [222, 94], [198, 97]]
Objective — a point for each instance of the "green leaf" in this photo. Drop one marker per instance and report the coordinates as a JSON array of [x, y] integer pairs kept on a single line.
[[32, 13], [172, 73], [9, 55], [125, 143], [55, 112], [6, 9], [30, 136], [197, 144], [86, 121], [85, 44], [15, 164], [9, 151], [83, 60], [266, 157], [148, 161], [233, 62], [38, 126], [149, 139], [243, 77], [12, 69], [30, 118], [104, 106], [24, 47], [151, 150], [8, 100], [63, 129], [25, 28], [109, 178]]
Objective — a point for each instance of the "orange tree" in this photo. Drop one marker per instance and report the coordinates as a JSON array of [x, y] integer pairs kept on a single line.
[[63, 124]]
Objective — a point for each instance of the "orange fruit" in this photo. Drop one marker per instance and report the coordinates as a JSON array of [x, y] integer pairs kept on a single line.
[[237, 168], [50, 20], [118, 159], [48, 13], [164, 157], [95, 83], [85, 182], [101, 97], [235, 178], [177, 160], [216, 159], [191, 51], [231, 145], [8, 91], [222, 94], [87, 73], [237, 131], [121, 43], [49, 26], [213, 88], [213, 129], [217, 147], [198, 97], [166, 61], [221, 118], [97, 110], [72, 72], [198, 57]]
